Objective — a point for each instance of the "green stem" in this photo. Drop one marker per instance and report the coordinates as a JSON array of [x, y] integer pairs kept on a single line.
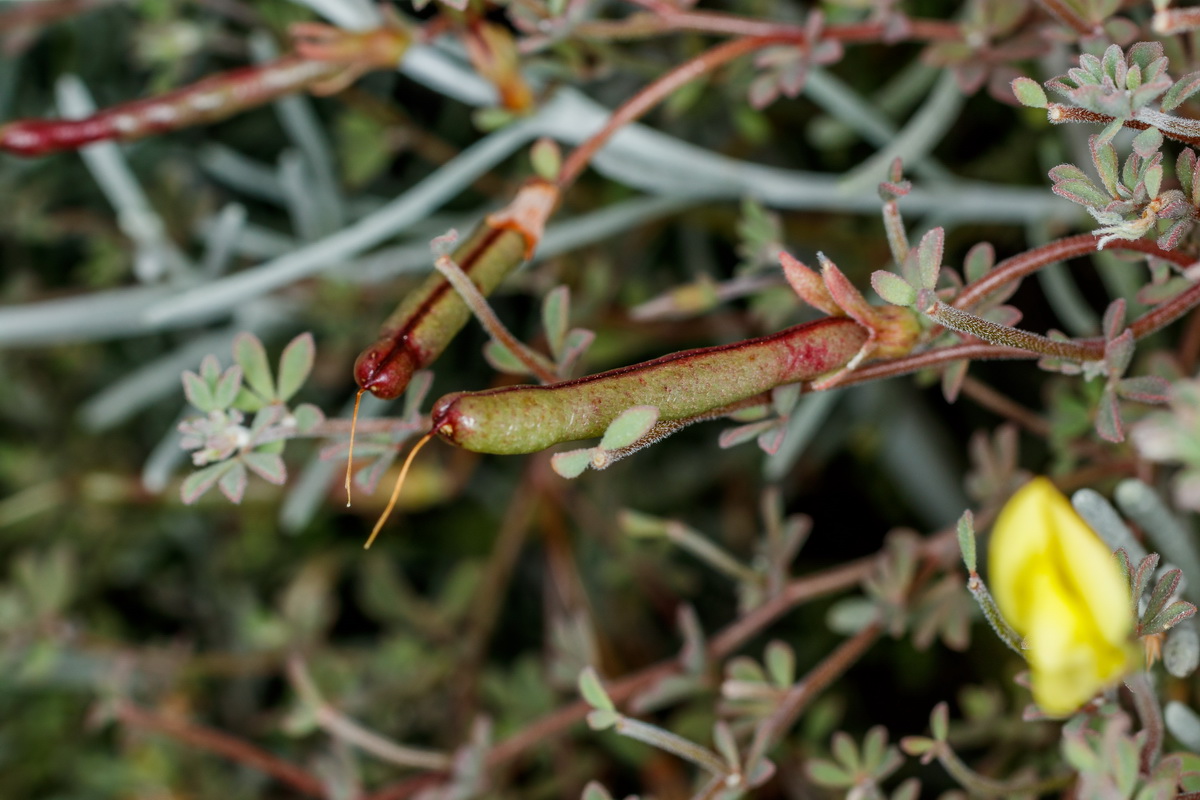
[[672, 743], [978, 785], [995, 333]]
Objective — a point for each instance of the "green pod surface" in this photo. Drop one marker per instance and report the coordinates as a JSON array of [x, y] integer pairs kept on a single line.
[[427, 319], [525, 419]]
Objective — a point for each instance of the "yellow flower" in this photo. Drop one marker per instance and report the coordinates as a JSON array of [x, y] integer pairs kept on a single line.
[[1060, 588]]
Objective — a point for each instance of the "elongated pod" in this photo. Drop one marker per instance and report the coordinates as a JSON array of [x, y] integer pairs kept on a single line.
[[525, 419], [428, 318]]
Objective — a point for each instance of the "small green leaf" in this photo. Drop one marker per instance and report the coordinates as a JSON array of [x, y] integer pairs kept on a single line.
[[195, 485], [1147, 143], [501, 359], [632, 424], [929, 257], [892, 288], [593, 692], [1029, 92], [966, 539], [233, 483], [294, 365], [845, 751], [198, 393], [1180, 91], [247, 400], [210, 369], [641, 526], [979, 261], [1144, 389], [726, 745], [780, 661], [546, 158], [571, 463], [1108, 418], [249, 353], [556, 310], [1171, 616], [307, 417], [939, 722], [828, 774], [917, 745], [594, 791], [227, 387], [268, 466]]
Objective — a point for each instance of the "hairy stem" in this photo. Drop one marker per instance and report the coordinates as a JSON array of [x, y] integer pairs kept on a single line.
[[994, 333]]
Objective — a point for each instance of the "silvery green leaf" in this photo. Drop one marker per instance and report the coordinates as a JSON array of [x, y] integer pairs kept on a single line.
[[572, 463], [249, 353], [593, 692], [233, 483], [555, 312], [268, 466], [295, 365], [892, 288], [501, 359], [227, 387], [198, 393], [1029, 92], [200, 481], [629, 426]]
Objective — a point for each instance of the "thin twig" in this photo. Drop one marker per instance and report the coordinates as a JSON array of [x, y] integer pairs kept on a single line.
[[802, 692], [223, 744], [1004, 406], [338, 725]]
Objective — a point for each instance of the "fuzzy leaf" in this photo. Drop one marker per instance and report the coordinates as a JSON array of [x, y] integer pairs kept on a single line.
[[929, 257], [1118, 352], [966, 539], [807, 284], [307, 417], [233, 483], [249, 353], [1114, 319], [732, 437], [200, 481], [632, 424], [577, 341], [780, 661], [227, 387], [1147, 143], [1029, 92], [198, 393], [593, 692], [892, 288], [979, 261], [1108, 418], [571, 463], [1144, 389], [268, 466], [556, 310], [1171, 616], [501, 359], [1180, 91], [210, 369], [295, 364], [828, 774]]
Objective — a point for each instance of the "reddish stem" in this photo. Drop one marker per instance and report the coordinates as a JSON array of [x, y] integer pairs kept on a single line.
[[209, 100], [223, 744]]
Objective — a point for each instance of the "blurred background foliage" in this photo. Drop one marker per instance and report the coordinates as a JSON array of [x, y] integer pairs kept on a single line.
[[124, 613]]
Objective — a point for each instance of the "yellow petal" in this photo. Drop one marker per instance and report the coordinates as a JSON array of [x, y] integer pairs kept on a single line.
[[1060, 588]]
